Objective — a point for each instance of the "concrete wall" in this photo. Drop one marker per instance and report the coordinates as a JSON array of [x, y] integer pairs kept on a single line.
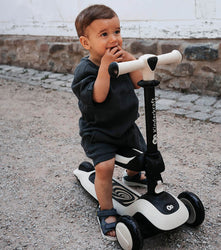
[[199, 72], [40, 34], [139, 18]]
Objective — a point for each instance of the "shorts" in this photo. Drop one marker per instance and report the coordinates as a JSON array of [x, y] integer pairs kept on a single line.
[[101, 147]]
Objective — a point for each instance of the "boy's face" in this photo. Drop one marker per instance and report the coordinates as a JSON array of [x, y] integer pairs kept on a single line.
[[101, 35]]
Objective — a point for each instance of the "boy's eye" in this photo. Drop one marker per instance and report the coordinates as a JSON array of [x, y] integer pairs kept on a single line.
[[104, 34], [117, 32]]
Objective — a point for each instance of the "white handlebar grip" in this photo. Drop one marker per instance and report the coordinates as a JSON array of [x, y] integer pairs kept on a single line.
[[130, 66], [116, 69], [173, 57]]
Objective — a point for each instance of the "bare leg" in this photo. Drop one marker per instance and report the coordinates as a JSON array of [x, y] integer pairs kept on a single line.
[[103, 188]]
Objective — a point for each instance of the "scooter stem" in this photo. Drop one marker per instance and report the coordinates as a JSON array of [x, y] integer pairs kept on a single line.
[[154, 163], [150, 114]]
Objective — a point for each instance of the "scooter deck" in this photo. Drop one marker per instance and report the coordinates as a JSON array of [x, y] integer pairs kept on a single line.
[[128, 202], [120, 193]]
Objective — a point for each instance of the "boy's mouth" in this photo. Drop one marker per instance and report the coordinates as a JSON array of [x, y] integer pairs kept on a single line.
[[114, 47]]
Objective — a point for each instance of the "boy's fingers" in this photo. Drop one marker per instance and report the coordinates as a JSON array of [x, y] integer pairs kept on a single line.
[[114, 50], [119, 59], [119, 54]]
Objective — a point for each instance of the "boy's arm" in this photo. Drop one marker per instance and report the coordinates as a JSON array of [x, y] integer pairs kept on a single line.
[[102, 83], [135, 76]]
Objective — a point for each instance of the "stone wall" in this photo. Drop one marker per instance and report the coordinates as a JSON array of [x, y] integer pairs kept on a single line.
[[199, 72]]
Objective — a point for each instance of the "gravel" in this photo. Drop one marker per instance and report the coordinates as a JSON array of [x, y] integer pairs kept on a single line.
[[43, 205]]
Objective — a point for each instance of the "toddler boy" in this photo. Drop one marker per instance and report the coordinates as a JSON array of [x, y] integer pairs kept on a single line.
[[109, 107]]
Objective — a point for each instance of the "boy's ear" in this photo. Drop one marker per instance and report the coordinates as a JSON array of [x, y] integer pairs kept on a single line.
[[84, 42]]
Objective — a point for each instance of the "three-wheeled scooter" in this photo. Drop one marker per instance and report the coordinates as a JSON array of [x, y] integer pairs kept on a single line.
[[142, 216]]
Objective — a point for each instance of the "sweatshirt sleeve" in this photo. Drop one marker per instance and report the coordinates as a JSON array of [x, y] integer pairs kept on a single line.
[[83, 83]]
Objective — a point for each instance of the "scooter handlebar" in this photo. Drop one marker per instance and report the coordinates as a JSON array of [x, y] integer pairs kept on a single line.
[[173, 57], [146, 62], [115, 69]]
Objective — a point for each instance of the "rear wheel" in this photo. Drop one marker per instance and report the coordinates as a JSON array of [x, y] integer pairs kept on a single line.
[[128, 233], [195, 208], [86, 166]]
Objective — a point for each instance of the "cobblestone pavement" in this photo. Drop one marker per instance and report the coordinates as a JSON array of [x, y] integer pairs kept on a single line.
[[205, 108]]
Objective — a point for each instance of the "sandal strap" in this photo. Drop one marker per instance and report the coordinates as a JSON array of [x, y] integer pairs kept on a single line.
[[108, 226], [102, 215], [106, 213]]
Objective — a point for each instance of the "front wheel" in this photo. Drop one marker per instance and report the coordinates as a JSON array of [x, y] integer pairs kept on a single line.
[[128, 233], [195, 208]]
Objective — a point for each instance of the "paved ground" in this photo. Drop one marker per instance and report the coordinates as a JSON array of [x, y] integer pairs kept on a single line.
[[203, 108], [43, 206]]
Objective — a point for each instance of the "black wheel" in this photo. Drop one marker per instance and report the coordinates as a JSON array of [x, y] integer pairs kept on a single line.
[[195, 208], [128, 233], [86, 166]]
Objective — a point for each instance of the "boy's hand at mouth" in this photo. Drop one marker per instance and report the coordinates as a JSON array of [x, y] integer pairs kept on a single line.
[[113, 54], [116, 54], [122, 55]]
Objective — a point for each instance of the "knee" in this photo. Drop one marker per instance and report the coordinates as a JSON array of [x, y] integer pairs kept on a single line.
[[105, 169]]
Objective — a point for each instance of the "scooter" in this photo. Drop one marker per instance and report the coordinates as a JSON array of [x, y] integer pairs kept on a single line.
[[142, 216]]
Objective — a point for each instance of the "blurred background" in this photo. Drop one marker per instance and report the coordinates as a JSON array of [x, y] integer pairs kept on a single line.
[[40, 34]]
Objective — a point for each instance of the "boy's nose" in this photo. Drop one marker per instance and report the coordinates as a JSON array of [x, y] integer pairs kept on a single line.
[[113, 38]]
